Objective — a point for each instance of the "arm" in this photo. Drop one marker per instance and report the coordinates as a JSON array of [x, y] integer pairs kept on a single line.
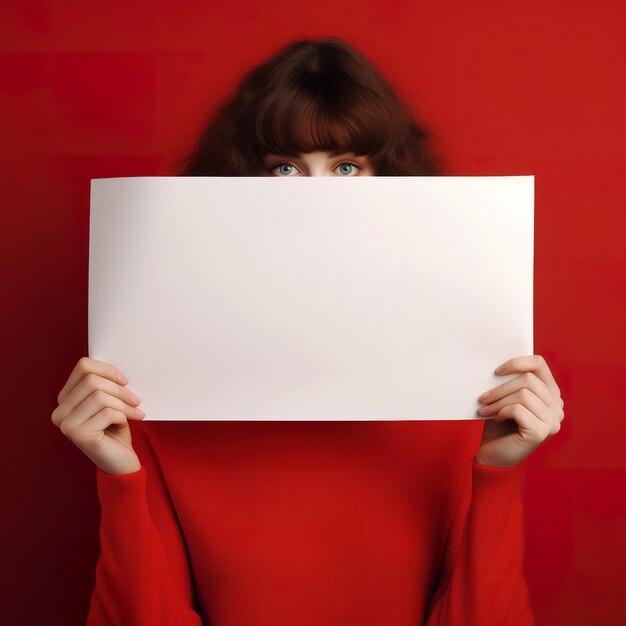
[[481, 582], [143, 576]]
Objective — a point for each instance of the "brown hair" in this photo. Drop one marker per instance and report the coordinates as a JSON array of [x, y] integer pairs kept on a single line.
[[312, 96]]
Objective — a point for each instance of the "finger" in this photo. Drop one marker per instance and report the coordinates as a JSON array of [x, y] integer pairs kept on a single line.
[[530, 401], [528, 380], [530, 427], [95, 402], [92, 429], [87, 365], [532, 363], [87, 385]]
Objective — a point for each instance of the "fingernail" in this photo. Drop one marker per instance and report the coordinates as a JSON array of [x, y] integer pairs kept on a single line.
[[135, 398]]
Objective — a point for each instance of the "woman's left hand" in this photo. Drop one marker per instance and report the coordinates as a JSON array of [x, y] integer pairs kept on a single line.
[[529, 410]]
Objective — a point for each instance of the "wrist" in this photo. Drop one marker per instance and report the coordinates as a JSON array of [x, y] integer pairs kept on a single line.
[[482, 461]]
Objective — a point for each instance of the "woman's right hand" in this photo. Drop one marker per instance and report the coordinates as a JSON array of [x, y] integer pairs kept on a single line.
[[93, 412]]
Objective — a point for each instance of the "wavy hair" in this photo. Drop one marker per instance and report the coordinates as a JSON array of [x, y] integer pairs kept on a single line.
[[312, 95]]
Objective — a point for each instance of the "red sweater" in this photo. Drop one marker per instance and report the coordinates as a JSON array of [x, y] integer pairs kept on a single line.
[[310, 523]]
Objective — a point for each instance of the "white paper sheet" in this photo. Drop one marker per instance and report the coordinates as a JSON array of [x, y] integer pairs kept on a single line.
[[311, 298]]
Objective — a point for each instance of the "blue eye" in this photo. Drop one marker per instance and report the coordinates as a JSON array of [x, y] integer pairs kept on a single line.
[[284, 166], [346, 168]]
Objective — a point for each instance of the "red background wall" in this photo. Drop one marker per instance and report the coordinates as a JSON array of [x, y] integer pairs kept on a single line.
[[121, 88]]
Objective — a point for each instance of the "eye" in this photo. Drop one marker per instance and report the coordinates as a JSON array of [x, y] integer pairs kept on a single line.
[[349, 168], [345, 168], [283, 169]]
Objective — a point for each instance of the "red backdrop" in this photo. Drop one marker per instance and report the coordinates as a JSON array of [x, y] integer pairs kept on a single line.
[[122, 89]]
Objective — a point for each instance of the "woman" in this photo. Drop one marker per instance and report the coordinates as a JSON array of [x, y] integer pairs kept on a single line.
[[303, 523]]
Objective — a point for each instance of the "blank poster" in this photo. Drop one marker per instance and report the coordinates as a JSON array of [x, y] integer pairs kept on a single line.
[[311, 298]]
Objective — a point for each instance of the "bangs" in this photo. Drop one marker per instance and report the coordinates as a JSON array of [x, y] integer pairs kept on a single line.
[[297, 122]]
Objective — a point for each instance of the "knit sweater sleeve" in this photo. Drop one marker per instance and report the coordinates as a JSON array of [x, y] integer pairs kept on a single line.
[[143, 576], [481, 580]]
